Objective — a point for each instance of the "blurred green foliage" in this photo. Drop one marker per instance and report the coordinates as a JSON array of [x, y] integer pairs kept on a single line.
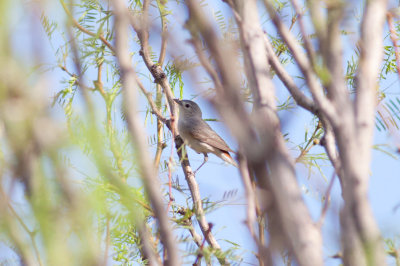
[[87, 211]]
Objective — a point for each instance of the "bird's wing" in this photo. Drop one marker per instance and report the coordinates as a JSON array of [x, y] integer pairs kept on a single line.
[[205, 133]]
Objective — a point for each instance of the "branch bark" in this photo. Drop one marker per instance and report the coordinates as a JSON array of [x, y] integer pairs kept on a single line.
[[360, 234], [305, 239]]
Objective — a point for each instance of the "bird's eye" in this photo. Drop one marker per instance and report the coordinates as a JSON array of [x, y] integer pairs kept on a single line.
[[187, 105]]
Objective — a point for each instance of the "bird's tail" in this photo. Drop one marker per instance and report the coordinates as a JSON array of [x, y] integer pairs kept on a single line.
[[228, 158]]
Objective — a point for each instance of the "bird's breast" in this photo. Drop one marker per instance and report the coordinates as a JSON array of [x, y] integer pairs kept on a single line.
[[195, 144]]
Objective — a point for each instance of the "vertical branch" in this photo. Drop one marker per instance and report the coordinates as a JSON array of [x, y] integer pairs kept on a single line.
[[148, 246], [197, 203], [160, 130], [366, 79], [160, 141], [304, 238], [150, 181], [306, 39], [335, 84], [164, 34], [360, 234], [319, 21], [263, 254]]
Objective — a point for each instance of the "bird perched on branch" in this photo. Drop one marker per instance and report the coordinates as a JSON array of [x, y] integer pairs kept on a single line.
[[198, 135]]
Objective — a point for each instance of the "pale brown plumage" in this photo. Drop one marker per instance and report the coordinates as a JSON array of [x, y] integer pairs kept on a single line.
[[198, 135]]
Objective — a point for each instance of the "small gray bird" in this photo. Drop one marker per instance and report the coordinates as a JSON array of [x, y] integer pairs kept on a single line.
[[198, 135]]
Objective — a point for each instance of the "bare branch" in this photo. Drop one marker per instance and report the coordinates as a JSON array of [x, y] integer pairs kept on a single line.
[[360, 235], [335, 84], [305, 66], [316, 8], [327, 200], [147, 249], [328, 141], [264, 255], [164, 35], [306, 39], [188, 223], [197, 203], [205, 62], [300, 98]]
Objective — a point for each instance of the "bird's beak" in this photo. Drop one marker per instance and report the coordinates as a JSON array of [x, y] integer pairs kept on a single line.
[[178, 101]]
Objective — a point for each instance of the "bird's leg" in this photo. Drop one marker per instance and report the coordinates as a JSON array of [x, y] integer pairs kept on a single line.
[[205, 160]]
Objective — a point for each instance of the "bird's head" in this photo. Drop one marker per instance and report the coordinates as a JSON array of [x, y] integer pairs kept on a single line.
[[188, 108]]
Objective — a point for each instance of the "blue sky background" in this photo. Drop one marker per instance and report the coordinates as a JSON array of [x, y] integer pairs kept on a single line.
[[216, 177]]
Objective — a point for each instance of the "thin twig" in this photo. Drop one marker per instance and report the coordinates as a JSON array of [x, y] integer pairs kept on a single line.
[[327, 200], [200, 252], [306, 39], [311, 141], [76, 77], [189, 225], [304, 64], [82, 29], [148, 246], [251, 212], [164, 35], [300, 98], [153, 106], [161, 145], [170, 161], [250, 194], [196, 43], [24, 226], [98, 82]]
